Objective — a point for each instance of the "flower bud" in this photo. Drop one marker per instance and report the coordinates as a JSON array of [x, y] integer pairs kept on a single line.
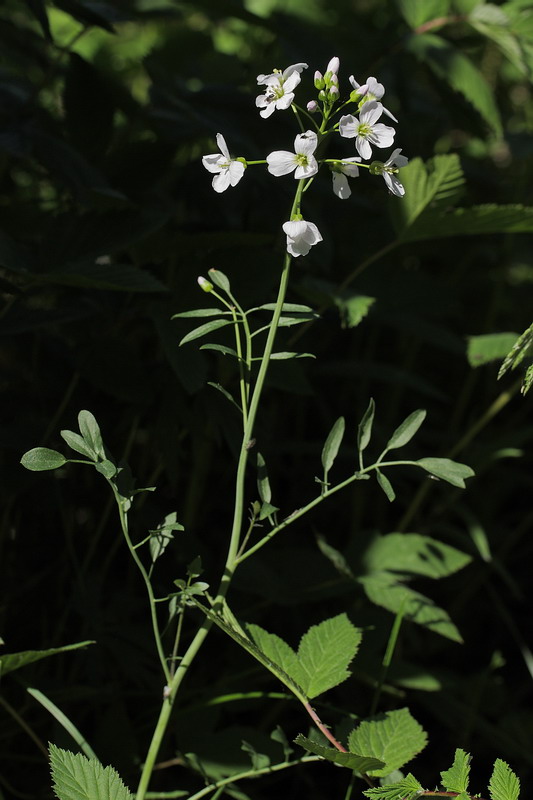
[[319, 80], [204, 284], [333, 92], [334, 81], [312, 106], [333, 65], [322, 95]]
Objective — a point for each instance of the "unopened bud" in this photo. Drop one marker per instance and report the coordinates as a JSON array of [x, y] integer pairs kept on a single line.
[[333, 65], [319, 80], [204, 284], [322, 95], [312, 106], [334, 80], [333, 92]]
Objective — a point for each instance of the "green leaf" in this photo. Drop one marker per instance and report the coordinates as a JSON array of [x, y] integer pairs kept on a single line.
[[492, 22], [226, 394], [204, 329], [76, 777], [406, 789], [456, 778], [504, 784], [90, 430], [353, 308], [106, 468], [220, 280], [520, 349], [40, 459], [285, 308], [489, 347], [452, 66], [263, 484], [325, 652], [220, 348], [78, 443], [416, 13], [353, 761], [386, 591], [63, 720], [364, 429], [200, 312], [413, 554], [447, 470], [332, 444], [286, 355], [386, 485], [13, 661], [475, 221], [162, 536], [394, 737], [259, 760], [405, 432]]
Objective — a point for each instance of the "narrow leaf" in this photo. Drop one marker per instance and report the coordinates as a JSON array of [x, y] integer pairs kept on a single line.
[[456, 778], [286, 355], [220, 348], [386, 485], [226, 394], [263, 484], [63, 720], [78, 443], [76, 777], [325, 652], [451, 471], [90, 430], [42, 458], [285, 307], [351, 760], [364, 430], [220, 280], [200, 312], [204, 329], [504, 784], [405, 432], [394, 737], [13, 661], [332, 444]]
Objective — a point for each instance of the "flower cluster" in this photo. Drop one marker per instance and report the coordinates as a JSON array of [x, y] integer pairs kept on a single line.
[[363, 125]]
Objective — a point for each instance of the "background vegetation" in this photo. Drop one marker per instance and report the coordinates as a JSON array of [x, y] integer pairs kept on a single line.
[[107, 219]]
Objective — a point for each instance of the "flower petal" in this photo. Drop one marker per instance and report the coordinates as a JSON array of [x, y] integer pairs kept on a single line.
[[382, 135], [222, 146], [285, 101], [348, 126], [341, 186], [221, 181], [306, 143], [294, 68], [236, 171], [363, 147], [393, 184], [307, 170], [213, 162], [371, 112], [281, 162]]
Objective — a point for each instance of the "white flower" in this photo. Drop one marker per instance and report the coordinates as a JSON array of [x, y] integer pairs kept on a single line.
[[301, 236], [333, 65], [281, 162], [389, 170], [228, 171], [279, 93], [371, 90], [339, 171], [366, 130]]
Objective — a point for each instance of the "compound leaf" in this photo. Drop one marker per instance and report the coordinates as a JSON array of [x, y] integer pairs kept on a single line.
[[504, 784], [351, 760], [395, 738], [77, 777]]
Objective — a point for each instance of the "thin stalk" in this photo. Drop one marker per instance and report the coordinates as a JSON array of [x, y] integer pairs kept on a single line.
[[387, 658], [242, 375]]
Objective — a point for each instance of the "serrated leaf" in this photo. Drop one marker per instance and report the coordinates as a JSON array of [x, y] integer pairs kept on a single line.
[[386, 485], [353, 308], [447, 470], [40, 459], [78, 443], [492, 22], [451, 65], [395, 738], [332, 444], [413, 554], [405, 432], [489, 347], [12, 661], [406, 789], [386, 591], [204, 329], [90, 430], [263, 484], [364, 429], [220, 280], [76, 777], [504, 784], [353, 761], [200, 312], [277, 650], [325, 652], [456, 778]]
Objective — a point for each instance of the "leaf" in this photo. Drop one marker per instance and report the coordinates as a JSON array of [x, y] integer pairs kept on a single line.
[[163, 535], [40, 459], [78, 443], [76, 777], [416, 13], [286, 355], [386, 485], [386, 591], [200, 312], [406, 789], [106, 468], [504, 784], [90, 430], [332, 444], [518, 351], [285, 308], [63, 720], [351, 760], [395, 738], [489, 347], [204, 329], [220, 280], [405, 432], [13, 661], [474, 221], [353, 308], [226, 394], [220, 348], [325, 652], [413, 554], [259, 760], [492, 22], [452, 66], [456, 778], [38, 9], [447, 470], [364, 429], [263, 484]]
